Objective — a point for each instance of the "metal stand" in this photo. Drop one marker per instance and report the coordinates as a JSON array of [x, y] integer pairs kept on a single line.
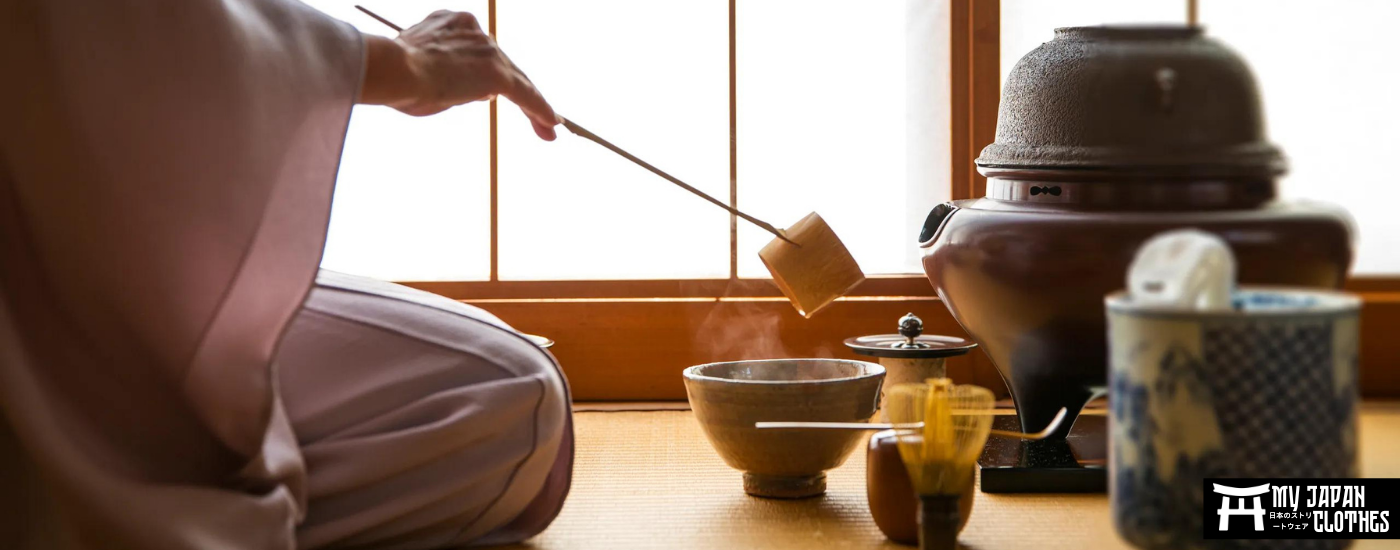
[[1077, 464]]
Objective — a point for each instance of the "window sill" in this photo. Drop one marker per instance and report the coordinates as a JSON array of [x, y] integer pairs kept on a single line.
[[623, 349]]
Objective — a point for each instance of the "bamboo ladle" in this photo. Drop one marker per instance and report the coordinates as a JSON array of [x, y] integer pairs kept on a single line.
[[811, 277]]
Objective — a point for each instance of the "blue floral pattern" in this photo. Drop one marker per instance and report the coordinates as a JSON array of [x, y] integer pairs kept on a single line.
[[1265, 385]]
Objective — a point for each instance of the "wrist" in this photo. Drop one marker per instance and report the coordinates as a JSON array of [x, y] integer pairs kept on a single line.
[[392, 77]]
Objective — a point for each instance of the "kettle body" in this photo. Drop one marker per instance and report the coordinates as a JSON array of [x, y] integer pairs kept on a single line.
[[1025, 275]]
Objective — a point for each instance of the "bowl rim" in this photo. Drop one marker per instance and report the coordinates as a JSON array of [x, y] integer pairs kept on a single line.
[[873, 370]]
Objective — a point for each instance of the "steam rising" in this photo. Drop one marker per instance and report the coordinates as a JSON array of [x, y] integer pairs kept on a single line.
[[744, 330]]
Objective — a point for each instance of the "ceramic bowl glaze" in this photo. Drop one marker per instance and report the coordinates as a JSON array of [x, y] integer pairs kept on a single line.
[[728, 398]]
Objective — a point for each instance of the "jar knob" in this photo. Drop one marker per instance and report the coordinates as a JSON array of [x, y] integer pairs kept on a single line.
[[910, 327]]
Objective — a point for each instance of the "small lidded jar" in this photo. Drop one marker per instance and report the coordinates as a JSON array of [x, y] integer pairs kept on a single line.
[[909, 356], [893, 503]]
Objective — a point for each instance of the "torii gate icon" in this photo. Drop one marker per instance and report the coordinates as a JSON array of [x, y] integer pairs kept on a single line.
[[1242, 509]]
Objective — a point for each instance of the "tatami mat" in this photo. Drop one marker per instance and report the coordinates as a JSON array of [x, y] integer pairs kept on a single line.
[[649, 480]]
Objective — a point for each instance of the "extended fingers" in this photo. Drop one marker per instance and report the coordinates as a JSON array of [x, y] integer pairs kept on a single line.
[[541, 115], [467, 65], [523, 93], [545, 132]]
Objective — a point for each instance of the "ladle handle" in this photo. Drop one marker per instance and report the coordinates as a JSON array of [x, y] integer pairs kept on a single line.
[[376, 17], [1042, 434], [584, 133]]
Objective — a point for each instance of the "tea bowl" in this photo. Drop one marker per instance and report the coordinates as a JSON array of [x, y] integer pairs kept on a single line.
[[728, 398]]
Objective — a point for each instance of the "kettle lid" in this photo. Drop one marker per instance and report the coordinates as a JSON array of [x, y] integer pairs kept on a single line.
[[1161, 100]]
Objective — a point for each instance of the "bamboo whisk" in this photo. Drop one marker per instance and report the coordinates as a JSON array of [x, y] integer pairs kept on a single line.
[[940, 455]]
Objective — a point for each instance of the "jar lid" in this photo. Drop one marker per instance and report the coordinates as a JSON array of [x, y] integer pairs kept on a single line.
[[910, 343]]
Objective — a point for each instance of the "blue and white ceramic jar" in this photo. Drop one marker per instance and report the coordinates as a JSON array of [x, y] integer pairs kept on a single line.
[[1265, 389]]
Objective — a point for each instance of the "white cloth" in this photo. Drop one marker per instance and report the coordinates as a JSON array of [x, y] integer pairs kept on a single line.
[[424, 422]]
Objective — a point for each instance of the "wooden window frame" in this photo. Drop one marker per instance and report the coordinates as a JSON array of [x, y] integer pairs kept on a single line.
[[629, 339]]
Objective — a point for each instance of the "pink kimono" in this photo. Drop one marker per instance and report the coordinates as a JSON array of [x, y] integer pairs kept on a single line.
[[172, 372]]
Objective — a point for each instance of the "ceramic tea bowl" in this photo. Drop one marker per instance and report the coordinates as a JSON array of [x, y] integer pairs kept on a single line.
[[728, 398]]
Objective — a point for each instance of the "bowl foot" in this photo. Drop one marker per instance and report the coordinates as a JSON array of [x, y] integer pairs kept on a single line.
[[769, 486]]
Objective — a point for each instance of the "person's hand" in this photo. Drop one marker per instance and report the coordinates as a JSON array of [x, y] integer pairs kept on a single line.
[[447, 60]]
